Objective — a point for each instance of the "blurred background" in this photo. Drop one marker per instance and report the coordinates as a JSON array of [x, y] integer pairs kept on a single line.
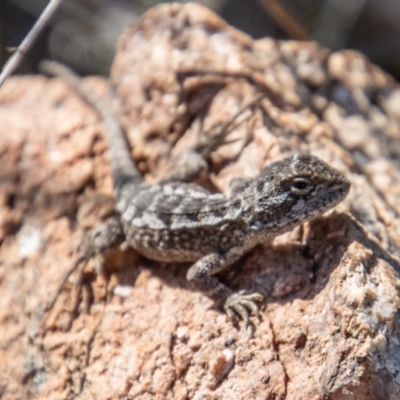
[[83, 33]]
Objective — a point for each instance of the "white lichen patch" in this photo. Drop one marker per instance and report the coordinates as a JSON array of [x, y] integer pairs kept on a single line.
[[29, 241], [123, 290]]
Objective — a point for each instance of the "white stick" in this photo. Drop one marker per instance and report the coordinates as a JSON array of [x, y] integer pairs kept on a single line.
[[16, 58]]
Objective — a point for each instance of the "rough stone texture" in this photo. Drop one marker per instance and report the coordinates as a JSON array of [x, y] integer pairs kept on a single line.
[[329, 326]]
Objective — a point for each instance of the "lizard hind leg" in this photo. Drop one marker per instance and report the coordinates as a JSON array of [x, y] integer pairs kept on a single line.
[[67, 275], [101, 239]]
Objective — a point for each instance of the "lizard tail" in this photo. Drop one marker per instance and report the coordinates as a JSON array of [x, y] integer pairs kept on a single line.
[[123, 168]]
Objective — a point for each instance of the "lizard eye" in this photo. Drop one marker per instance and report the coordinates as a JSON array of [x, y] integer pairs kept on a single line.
[[301, 186]]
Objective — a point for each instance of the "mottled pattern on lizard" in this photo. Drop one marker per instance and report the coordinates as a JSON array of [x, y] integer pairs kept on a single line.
[[183, 222]]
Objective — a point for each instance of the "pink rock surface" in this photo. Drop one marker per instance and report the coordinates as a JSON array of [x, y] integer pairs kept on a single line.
[[329, 325]]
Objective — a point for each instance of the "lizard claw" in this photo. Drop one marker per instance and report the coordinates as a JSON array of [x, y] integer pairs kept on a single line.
[[242, 303]]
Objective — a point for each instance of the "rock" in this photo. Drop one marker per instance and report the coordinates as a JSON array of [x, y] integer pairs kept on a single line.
[[329, 326]]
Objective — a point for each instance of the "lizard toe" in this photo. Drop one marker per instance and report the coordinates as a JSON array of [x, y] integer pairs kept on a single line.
[[242, 304]]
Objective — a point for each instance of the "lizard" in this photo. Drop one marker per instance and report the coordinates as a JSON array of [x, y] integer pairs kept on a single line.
[[176, 222]]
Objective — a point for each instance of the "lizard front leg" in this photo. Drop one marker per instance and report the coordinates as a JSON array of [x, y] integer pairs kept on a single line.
[[192, 163], [201, 276]]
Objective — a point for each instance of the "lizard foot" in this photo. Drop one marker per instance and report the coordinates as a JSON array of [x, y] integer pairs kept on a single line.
[[242, 303]]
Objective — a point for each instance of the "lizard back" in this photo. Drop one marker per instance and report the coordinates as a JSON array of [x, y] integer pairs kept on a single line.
[[178, 222]]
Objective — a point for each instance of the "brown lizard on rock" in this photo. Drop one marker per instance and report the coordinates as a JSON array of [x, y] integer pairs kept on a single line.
[[183, 222]]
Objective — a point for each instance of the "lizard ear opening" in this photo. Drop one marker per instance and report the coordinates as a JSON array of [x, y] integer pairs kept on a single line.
[[301, 186]]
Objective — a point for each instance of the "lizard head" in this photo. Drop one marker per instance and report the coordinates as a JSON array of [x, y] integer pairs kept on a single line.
[[294, 190]]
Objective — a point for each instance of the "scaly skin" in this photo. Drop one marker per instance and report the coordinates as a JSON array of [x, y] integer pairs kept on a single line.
[[183, 222]]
